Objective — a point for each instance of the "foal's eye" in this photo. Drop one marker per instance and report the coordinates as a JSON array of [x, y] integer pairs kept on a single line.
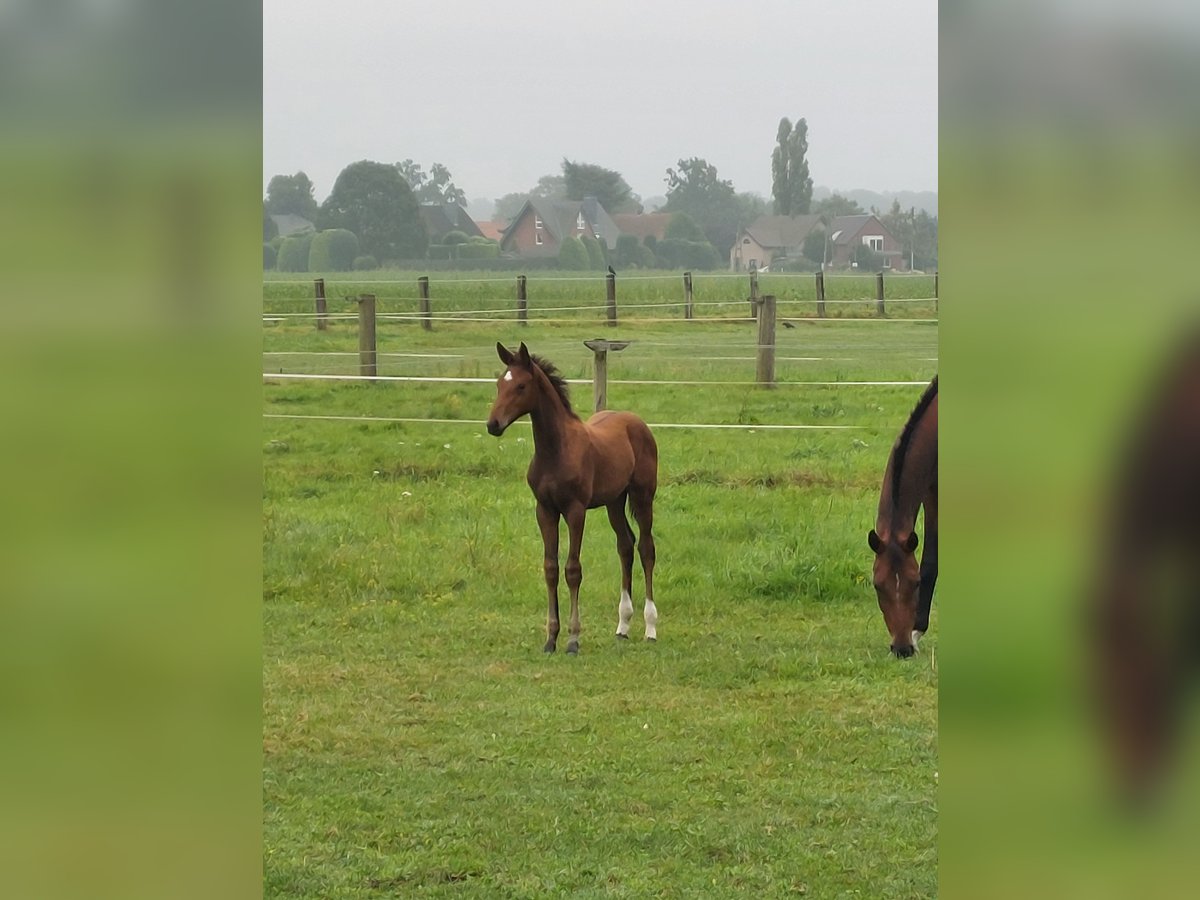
[[520, 387]]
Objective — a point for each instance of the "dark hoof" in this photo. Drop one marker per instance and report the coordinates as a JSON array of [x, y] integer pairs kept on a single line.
[[573, 649], [622, 637], [549, 648], [904, 652]]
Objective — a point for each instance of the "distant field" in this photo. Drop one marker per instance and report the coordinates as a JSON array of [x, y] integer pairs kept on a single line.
[[416, 739]]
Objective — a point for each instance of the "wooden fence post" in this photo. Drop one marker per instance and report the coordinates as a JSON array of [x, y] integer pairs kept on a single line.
[[766, 341], [522, 302], [821, 294], [423, 290], [611, 299], [935, 290], [879, 294], [600, 350], [366, 335], [688, 310], [322, 310], [754, 293]]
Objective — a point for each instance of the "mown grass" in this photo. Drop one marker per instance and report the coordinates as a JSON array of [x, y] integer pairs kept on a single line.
[[417, 741]]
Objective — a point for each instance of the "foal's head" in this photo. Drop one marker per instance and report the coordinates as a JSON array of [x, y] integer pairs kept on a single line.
[[897, 578], [516, 389]]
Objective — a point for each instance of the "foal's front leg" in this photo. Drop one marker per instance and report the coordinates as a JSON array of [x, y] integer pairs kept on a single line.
[[576, 516], [548, 523]]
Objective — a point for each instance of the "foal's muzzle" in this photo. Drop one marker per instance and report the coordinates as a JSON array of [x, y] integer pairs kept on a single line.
[[495, 428]]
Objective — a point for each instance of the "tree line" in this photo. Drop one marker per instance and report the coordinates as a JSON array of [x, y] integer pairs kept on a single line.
[[373, 212]]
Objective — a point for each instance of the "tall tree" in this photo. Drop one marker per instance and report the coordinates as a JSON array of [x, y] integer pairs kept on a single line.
[[608, 187], [291, 194], [696, 189], [791, 184], [549, 187], [436, 186], [836, 205], [374, 201]]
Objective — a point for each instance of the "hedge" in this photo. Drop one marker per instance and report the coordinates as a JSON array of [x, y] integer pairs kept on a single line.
[[293, 253], [333, 250]]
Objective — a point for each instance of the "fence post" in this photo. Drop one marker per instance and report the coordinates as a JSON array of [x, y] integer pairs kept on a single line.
[[688, 311], [766, 341], [322, 310], [600, 350], [611, 286], [754, 293], [821, 294], [879, 294], [522, 302], [423, 290], [935, 290], [366, 335]]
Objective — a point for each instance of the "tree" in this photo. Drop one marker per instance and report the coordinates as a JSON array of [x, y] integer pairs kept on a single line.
[[373, 200], [684, 227], [694, 188], [332, 251], [836, 205], [291, 194], [573, 256], [549, 187], [435, 187], [293, 253], [608, 187], [790, 182], [627, 250], [270, 229], [814, 245], [867, 259], [595, 251]]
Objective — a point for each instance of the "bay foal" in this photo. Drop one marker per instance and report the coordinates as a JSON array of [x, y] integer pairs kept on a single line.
[[579, 466]]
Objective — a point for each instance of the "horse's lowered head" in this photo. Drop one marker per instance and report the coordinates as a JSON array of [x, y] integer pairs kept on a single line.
[[516, 389], [897, 577]]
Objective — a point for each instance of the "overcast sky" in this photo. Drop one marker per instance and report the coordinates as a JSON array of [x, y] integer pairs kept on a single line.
[[501, 92]]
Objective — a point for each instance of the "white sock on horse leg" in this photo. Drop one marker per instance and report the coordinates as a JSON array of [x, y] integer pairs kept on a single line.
[[650, 614], [625, 611]]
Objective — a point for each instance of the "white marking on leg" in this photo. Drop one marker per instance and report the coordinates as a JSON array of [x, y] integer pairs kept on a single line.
[[508, 375], [916, 636], [625, 613], [650, 614]]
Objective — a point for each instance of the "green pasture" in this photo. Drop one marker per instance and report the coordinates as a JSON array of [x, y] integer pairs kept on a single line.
[[418, 742]]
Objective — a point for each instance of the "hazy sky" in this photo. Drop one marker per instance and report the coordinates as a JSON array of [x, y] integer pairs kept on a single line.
[[501, 92]]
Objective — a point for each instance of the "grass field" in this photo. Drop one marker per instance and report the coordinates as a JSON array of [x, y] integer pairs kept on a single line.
[[417, 741]]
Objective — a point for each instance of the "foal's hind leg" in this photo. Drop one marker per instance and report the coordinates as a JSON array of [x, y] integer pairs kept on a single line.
[[620, 525], [642, 504], [548, 523]]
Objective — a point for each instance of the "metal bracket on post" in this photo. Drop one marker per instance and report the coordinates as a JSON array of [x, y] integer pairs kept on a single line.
[[600, 350]]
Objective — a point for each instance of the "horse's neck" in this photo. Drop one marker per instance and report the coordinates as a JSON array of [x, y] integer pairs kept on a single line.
[[551, 421]]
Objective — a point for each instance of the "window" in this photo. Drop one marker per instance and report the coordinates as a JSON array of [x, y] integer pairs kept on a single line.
[[537, 238], [874, 242], [745, 240], [579, 223], [537, 222]]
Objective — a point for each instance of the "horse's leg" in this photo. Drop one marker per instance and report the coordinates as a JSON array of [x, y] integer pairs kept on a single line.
[[642, 504], [548, 523], [620, 525], [929, 565], [576, 516]]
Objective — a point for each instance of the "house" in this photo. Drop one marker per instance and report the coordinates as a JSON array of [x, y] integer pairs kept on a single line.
[[770, 238], [290, 223], [847, 233], [774, 239], [440, 219], [643, 225], [493, 231], [541, 226]]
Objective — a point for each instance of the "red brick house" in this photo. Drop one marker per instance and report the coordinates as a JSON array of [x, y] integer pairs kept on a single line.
[[847, 233], [773, 239], [541, 226]]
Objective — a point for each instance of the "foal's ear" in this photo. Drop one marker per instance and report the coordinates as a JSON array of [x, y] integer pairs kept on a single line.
[[523, 353], [911, 543], [874, 541], [503, 352]]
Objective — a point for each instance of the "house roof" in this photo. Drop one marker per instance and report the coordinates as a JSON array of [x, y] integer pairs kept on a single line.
[[440, 218], [642, 225], [774, 232], [561, 216], [290, 223], [491, 230], [845, 229]]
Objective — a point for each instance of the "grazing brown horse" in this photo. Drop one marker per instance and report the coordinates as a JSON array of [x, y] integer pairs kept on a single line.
[[910, 481], [579, 466]]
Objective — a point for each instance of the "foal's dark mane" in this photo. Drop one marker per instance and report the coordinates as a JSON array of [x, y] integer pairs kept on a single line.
[[556, 379], [905, 438]]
